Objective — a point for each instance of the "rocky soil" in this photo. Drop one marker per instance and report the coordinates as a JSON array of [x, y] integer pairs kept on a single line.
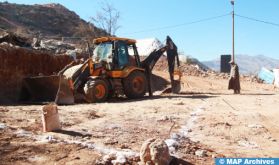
[[202, 122]]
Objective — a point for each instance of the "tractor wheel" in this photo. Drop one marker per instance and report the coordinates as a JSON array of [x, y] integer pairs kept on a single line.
[[96, 90], [135, 85]]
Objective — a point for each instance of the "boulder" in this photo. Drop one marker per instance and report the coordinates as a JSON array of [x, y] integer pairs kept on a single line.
[[155, 152]]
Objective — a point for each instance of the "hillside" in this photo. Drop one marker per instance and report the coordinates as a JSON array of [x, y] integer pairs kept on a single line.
[[247, 64], [45, 20]]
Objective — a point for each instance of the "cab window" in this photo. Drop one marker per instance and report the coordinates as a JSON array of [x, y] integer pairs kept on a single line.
[[122, 53], [103, 52]]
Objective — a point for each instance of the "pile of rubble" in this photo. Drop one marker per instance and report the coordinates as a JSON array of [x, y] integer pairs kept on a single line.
[[52, 46], [195, 69], [188, 69], [13, 40]]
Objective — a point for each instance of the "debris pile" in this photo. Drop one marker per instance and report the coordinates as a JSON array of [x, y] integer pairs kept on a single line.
[[186, 68], [13, 40], [51, 46], [55, 46], [59, 47], [195, 69], [250, 78]]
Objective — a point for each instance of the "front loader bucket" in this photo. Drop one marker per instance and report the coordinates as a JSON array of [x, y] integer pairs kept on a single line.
[[46, 89]]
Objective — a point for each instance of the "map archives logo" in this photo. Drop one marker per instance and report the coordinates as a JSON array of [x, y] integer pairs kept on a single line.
[[247, 161]]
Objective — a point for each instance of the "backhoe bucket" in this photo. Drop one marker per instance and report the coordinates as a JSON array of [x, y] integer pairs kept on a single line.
[[176, 83], [46, 89]]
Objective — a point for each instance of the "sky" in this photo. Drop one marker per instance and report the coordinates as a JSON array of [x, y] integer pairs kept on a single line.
[[205, 40]]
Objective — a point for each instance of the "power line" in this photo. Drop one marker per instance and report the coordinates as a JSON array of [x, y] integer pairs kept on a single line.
[[178, 25], [257, 20], [172, 26]]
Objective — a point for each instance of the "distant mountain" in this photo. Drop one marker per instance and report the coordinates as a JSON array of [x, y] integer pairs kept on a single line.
[[247, 64], [46, 20]]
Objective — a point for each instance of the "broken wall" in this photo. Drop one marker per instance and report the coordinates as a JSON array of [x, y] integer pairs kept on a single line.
[[17, 63]]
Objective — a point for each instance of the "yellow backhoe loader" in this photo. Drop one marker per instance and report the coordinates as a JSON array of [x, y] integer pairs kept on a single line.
[[113, 69]]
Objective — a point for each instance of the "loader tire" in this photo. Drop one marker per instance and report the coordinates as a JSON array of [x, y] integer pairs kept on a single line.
[[96, 91], [135, 85]]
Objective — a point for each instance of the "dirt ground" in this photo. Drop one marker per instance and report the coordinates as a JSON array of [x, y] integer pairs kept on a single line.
[[202, 122]]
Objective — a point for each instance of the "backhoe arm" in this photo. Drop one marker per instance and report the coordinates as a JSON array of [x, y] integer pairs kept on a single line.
[[153, 58]]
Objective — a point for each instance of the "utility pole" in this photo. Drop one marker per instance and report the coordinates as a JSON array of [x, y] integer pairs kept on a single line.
[[232, 2]]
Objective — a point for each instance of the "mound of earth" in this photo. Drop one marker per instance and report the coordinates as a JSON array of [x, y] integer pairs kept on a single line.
[[17, 63]]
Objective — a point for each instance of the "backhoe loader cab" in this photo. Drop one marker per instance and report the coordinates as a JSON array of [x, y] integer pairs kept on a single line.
[[117, 52]]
